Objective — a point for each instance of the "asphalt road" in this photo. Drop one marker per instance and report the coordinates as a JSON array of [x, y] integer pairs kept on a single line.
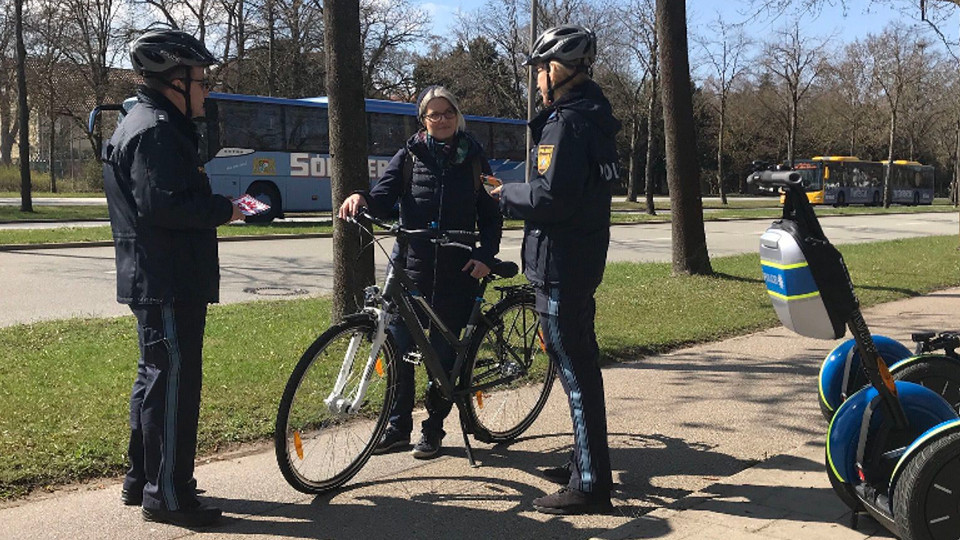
[[47, 284]]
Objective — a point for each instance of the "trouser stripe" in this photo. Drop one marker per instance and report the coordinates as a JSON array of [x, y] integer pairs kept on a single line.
[[170, 409]]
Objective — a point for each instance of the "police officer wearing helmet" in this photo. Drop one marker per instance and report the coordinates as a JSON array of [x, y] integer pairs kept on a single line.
[[566, 206], [164, 217]]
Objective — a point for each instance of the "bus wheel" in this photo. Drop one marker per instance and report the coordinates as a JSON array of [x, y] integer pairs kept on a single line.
[[267, 193], [876, 198]]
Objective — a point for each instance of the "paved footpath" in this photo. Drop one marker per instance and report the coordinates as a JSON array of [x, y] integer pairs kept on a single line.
[[718, 441]]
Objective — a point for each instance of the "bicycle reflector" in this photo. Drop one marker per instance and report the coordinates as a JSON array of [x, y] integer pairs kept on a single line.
[[479, 399], [298, 444], [379, 366]]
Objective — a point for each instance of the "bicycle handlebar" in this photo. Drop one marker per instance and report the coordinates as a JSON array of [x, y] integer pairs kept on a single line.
[[452, 238], [775, 178]]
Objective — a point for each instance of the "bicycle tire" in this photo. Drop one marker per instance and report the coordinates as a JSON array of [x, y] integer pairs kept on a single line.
[[506, 409], [319, 449]]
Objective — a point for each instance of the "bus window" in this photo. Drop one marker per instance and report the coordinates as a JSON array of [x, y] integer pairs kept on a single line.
[[388, 133], [258, 126], [509, 141], [481, 132], [307, 130]]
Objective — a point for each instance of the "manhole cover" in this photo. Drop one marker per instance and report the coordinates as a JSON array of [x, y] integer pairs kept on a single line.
[[274, 291]]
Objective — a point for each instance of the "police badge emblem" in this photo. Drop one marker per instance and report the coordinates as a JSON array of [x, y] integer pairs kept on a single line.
[[544, 155]]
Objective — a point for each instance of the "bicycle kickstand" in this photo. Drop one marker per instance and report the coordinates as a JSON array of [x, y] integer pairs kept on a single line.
[[466, 436]]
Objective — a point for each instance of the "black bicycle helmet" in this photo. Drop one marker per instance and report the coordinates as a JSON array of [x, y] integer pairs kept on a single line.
[[157, 51], [568, 44]]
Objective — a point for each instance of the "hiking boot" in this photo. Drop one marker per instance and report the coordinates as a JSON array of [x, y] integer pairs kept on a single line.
[[573, 501], [558, 475], [428, 446], [392, 440]]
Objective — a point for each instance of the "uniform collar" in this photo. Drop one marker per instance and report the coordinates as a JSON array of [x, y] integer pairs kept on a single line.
[[174, 115]]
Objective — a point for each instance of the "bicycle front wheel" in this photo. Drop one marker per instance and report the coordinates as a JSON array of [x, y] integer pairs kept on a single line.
[[326, 431], [510, 373]]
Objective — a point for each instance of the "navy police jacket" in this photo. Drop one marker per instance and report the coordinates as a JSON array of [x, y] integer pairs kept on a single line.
[[566, 204], [447, 196], [162, 211]]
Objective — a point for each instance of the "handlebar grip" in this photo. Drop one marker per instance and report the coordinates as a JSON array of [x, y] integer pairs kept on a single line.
[[776, 178]]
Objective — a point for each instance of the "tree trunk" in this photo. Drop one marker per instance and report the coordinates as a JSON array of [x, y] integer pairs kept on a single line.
[[633, 177], [723, 113], [886, 173], [689, 239], [271, 49], [52, 146], [352, 270], [792, 136], [26, 203], [651, 124], [955, 186]]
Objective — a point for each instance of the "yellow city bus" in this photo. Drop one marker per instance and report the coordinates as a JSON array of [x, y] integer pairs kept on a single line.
[[844, 180]]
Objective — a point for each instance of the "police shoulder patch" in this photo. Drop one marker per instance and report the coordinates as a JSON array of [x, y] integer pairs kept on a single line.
[[544, 157]]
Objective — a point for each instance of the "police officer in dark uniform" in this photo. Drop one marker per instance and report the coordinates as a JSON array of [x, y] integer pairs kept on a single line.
[[566, 206], [164, 217]]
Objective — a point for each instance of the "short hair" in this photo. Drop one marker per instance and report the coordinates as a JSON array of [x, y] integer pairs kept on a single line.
[[437, 91], [156, 80]]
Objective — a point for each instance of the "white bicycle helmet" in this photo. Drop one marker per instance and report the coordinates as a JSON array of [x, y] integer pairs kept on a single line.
[[568, 44]]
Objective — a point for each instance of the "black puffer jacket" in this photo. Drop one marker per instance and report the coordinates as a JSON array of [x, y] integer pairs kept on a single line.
[[448, 197], [162, 210], [566, 205]]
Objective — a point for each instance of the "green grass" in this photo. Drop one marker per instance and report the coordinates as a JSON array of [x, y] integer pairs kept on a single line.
[[53, 213], [102, 233], [64, 385]]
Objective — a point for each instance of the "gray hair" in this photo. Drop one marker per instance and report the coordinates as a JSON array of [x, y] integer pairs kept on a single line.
[[437, 91]]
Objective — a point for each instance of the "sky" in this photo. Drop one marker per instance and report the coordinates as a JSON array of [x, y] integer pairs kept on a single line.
[[854, 20]]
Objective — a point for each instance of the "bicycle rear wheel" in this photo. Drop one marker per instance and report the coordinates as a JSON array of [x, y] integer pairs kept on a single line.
[[509, 370], [320, 445]]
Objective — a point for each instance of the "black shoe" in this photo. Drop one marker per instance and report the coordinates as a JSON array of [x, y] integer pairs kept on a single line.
[[134, 497], [392, 440], [573, 501], [558, 475], [199, 516], [131, 497], [428, 446]]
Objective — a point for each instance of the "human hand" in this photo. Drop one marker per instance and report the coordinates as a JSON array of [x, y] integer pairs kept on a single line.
[[237, 213], [495, 192], [476, 268], [351, 206]]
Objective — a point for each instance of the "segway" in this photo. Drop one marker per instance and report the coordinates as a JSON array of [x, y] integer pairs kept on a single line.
[[893, 447]]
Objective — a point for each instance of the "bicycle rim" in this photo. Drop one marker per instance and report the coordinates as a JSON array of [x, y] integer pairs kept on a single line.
[[509, 356], [320, 447]]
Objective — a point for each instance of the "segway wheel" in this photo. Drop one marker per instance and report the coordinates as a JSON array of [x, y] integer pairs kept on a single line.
[[844, 491], [926, 501], [937, 372]]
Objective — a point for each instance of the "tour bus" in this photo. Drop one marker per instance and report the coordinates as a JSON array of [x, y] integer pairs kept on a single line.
[[844, 180], [277, 149]]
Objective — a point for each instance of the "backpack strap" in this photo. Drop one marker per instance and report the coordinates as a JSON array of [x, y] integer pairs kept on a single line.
[[477, 171], [406, 172]]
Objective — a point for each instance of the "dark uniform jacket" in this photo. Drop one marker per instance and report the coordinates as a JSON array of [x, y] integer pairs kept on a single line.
[[566, 205], [162, 210], [447, 196]]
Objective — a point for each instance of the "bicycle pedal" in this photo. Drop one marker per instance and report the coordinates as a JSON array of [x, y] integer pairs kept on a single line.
[[413, 358]]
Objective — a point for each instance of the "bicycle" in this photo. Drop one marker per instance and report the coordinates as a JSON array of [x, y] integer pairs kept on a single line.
[[336, 404]]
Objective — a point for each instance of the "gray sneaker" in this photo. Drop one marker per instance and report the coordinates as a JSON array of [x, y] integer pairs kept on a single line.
[[428, 446]]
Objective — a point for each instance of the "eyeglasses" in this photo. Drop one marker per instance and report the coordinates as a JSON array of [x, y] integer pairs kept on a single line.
[[449, 114], [205, 84]]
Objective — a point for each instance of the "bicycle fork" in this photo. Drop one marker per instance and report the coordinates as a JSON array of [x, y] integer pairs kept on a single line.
[[338, 403]]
